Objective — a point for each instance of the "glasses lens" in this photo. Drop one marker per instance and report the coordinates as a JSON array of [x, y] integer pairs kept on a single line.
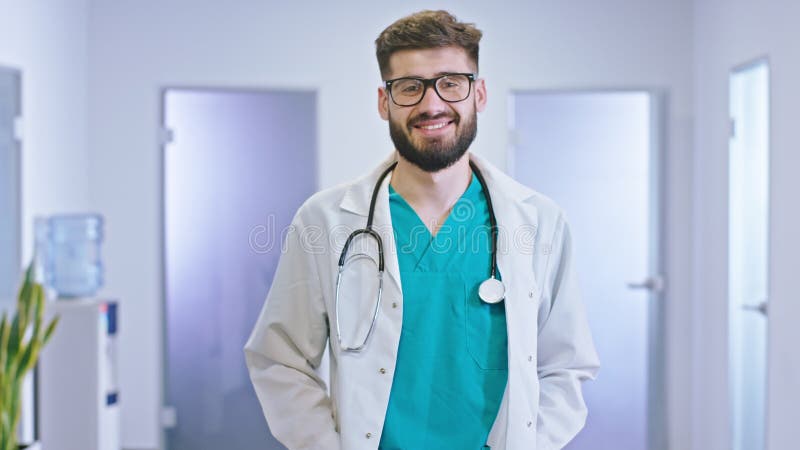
[[453, 88], [407, 91]]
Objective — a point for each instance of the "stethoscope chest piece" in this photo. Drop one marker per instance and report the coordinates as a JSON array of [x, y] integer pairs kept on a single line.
[[492, 291]]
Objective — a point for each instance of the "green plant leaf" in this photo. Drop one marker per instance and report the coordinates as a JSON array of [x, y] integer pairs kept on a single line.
[[13, 343], [6, 432], [49, 332], [3, 340], [24, 298], [28, 358], [38, 293]]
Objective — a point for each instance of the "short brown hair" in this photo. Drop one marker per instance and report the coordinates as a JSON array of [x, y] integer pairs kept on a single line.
[[426, 29]]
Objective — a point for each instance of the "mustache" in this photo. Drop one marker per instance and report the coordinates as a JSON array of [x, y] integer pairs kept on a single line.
[[425, 116]]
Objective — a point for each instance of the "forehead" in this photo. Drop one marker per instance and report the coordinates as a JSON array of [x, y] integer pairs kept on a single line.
[[429, 62]]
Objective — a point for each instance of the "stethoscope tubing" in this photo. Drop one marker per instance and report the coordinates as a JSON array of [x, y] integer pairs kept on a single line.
[[492, 218]]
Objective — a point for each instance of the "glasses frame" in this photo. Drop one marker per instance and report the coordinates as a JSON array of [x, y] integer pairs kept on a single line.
[[428, 82]]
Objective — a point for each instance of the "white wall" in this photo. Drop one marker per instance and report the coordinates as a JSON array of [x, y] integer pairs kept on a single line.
[[47, 42], [729, 33], [137, 48]]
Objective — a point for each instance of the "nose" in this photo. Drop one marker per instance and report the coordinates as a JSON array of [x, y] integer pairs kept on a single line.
[[431, 102]]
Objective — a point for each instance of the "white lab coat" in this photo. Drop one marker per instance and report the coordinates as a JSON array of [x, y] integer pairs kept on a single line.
[[550, 348]]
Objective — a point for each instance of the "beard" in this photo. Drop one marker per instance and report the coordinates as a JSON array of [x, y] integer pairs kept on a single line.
[[433, 155]]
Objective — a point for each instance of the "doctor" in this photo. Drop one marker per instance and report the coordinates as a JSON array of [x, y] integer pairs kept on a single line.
[[453, 317]]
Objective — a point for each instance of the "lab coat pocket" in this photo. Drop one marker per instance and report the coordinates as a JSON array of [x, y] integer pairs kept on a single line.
[[487, 339]]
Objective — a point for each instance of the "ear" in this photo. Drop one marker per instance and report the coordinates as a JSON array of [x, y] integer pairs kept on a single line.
[[480, 94], [383, 103]]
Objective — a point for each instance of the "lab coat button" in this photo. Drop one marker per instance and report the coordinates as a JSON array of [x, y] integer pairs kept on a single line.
[[382, 371], [530, 294], [530, 423], [394, 304], [369, 435], [530, 357]]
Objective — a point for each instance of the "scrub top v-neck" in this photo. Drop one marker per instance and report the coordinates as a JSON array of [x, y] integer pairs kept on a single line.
[[452, 364]]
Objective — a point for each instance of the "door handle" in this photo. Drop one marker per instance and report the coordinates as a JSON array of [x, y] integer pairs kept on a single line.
[[652, 284], [761, 307]]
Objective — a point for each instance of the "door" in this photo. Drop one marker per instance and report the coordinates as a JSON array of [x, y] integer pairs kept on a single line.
[[237, 165], [596, 154], [748, 243], [10, 220], [10, 236]]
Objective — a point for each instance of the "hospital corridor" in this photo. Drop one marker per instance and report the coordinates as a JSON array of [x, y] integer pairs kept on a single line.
[[324, 225]]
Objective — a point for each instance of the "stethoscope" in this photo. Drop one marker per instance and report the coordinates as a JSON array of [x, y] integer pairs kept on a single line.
[[490, 290]]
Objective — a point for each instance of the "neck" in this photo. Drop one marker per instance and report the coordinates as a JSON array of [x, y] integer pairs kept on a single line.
[[431, 195]]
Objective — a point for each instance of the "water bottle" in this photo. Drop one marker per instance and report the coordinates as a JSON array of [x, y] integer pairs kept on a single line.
[[68, 252]]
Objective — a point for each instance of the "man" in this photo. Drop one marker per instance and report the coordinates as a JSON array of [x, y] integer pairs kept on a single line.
[[453, 351]]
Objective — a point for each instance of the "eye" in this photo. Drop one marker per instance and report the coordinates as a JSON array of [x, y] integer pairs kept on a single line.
[[406, 87], [451, 82]]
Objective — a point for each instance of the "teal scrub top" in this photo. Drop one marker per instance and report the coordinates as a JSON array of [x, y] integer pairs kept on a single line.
[[452, 363]]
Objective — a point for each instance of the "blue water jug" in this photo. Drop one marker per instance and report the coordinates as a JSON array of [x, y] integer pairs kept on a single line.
[[68, 250]]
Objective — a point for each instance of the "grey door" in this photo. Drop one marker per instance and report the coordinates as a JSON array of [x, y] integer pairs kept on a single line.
[[9, 186], [596, 154], [237, 166]]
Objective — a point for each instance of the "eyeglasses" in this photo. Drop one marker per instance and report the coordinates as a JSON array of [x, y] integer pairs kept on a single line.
[[409, 91]]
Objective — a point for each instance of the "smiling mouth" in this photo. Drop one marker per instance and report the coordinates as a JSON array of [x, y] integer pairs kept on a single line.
[[433, 126]]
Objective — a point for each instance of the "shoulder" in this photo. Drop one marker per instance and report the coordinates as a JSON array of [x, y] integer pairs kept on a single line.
[[322, 204], [544, 207], [338, 202], [549, 216]]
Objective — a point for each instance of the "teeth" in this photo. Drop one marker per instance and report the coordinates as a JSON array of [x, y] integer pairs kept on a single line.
[[433, 127]]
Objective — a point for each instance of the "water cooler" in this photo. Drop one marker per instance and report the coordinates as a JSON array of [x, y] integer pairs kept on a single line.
[[78, 388]]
